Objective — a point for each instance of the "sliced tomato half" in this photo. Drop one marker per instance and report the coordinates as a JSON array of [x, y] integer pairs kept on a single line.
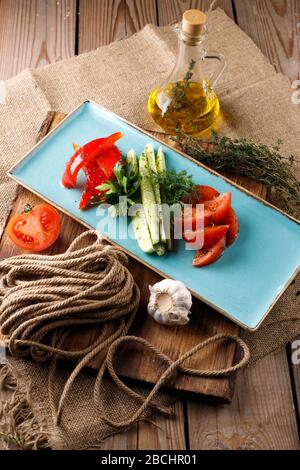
[[208, 256], [233, 231], [218, 207], [36, 229], [211, 235]]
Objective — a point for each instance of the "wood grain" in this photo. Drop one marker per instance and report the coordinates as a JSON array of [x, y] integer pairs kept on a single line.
[[274, 25], [101, 22], [261, 415], [33, 34], [170, 11], [165, 433]]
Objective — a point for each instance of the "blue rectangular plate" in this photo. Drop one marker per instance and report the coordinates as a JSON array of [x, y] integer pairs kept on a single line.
[[243, 285]]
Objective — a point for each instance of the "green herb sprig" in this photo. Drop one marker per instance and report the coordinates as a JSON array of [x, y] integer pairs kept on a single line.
[[174, 186], [125, 184], [246, 158], [180, 87]]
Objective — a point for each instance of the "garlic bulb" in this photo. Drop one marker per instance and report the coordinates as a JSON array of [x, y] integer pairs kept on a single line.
[[170, 302]]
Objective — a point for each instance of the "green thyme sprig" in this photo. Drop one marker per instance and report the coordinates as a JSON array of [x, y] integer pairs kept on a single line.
[[244, 157], [180, 87]]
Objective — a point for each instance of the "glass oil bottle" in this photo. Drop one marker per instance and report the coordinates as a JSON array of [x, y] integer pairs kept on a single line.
[[187, 101]]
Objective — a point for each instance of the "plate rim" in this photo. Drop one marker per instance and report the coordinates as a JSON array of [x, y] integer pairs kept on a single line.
[[10, 173]]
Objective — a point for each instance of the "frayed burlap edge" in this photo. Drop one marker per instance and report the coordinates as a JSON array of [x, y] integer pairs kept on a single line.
[[18, 425]]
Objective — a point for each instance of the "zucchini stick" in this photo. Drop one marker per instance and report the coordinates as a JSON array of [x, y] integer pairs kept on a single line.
[[149, 152], [149, 200], [161, 167], [141, 231]]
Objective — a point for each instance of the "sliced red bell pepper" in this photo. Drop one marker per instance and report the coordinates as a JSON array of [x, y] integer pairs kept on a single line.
[[95, 177], [85, 154], [97, 172], [107, 160]]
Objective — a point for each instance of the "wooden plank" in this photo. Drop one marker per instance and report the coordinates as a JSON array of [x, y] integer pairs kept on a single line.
[[100, 23], [33, 34], [170, 11], [254, 419], [274, 27], [138, 14], [124, 441], [109, 20], [165, 433], [97, 27], [261, 415]]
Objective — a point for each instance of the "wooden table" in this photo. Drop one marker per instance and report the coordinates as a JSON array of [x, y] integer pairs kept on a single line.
[[265, 412]]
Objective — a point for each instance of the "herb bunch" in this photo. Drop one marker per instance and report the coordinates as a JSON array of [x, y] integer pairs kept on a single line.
[[126, 183], [174, 186], [246, 158]]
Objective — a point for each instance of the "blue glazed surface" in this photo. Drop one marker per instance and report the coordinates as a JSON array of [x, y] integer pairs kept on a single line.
[[251, 274]]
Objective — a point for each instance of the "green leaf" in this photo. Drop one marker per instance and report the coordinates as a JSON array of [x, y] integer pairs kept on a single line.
[[124, 183], [104, 187]]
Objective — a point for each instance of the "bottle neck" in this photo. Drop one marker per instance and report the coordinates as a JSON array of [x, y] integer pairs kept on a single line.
[[189, 58]]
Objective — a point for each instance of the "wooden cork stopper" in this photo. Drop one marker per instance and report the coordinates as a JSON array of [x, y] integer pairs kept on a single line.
[[193, 22]]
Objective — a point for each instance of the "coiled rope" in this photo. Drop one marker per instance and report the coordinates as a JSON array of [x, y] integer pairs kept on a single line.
[[45, 298]]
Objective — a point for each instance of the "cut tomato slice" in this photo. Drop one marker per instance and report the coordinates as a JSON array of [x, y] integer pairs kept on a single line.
[[211, 235], [36, 229], [193, 219], [233, 231], [200, 195], [218, 207], [208, 256]]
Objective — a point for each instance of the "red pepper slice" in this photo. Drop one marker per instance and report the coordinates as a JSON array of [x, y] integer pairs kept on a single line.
[[97, 172], [108, 160], [95, 177], [85, 154]]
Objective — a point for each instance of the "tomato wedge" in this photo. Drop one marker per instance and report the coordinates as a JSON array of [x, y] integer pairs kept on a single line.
[[218, 207], [208, 256], [211, 235], [233, 231], [36, 229], [202, 194], [193, 219]]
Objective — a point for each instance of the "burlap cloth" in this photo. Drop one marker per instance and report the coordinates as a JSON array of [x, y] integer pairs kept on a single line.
[[256, 103]]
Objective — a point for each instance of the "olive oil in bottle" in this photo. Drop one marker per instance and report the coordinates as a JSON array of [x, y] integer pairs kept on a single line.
[[187, 100]]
